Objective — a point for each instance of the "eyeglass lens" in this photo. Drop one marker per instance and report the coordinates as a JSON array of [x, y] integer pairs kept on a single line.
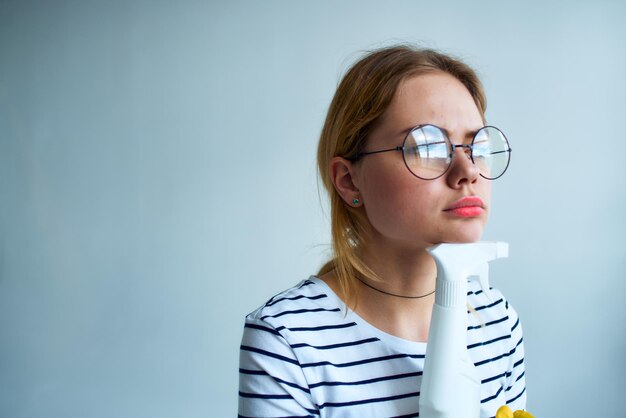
[[428, 152]]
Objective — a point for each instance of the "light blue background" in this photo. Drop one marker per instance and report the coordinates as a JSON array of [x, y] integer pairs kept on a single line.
[[158, 182]]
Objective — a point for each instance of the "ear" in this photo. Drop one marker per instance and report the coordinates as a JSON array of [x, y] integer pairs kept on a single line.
[[344, 178]]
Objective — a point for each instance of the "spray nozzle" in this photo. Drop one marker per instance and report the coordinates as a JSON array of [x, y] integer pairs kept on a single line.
[[462, 261]]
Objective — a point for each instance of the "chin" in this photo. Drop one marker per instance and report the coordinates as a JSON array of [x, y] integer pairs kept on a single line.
[[463, 240], [466, 236]]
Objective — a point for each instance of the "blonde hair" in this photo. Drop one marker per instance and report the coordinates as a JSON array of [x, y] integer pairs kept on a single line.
[[363, 95]]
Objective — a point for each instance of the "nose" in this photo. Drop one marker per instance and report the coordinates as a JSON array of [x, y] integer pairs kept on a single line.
[[462, 170]]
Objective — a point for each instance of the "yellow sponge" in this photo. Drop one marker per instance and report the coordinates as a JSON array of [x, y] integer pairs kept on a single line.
[[505, 412]]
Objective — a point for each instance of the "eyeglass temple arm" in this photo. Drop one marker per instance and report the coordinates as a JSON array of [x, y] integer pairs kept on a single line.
[[500, 152], [379, 151]]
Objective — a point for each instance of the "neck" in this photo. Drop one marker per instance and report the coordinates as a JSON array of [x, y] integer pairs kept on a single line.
[[403, 272], [409, 272], [394, 294]]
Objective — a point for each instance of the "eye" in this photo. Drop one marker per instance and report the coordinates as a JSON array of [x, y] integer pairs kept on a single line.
[[481, 149], [436, 149]]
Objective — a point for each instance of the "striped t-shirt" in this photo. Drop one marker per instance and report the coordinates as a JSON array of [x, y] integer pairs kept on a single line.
[[303, 356]]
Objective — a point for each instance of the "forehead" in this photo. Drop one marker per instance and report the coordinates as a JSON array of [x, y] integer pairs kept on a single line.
[[436, 98]]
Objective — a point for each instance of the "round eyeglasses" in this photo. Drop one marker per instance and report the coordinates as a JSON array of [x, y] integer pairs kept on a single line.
[[428, 152]]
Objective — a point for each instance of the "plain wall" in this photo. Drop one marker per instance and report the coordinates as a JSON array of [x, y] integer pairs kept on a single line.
[[158, 182]]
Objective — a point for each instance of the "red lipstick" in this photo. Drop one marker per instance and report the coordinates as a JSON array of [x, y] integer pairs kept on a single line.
[[466, 207]]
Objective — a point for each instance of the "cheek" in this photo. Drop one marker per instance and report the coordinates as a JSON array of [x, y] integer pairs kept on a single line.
[[382, 188], [398, 198]]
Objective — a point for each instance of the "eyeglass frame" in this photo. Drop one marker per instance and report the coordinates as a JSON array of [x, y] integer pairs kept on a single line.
[[470, 147]]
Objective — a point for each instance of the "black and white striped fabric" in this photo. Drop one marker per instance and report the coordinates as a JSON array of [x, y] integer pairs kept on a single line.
[[303, 356]]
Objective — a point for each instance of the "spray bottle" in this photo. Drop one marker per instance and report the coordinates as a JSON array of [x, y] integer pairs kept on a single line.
[[450, 383]]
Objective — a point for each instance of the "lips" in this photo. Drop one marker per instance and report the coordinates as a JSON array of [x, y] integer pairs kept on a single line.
[[466, 207]]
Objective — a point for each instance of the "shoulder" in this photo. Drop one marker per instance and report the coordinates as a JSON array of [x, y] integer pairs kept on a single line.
[[299, 323], [490, 299], [302, 306], [492, 307], [307, 295]]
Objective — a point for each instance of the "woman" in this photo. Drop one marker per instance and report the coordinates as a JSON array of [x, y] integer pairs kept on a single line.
[[408, 163]]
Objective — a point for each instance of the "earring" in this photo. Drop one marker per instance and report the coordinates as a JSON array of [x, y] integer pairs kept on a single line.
[[355, 202]]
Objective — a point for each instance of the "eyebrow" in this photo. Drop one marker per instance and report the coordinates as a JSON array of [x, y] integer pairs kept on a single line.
[[468, 135], [405, 132]]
